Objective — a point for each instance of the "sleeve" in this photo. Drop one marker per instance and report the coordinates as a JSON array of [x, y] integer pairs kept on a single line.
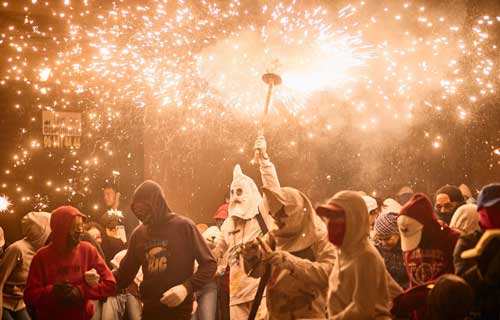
[[129, 266], [365, 292], [461, 265], [10, 259], [316, 272], [37, 294], [106, 286], [269, 175], [205, 259]]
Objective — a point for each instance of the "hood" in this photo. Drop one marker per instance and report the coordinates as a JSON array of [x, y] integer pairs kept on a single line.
[[36, 228], [151, 193], [466, 192], [60, 223], [370, 202], [211, 234], [391, 205], [357, 224], [466, 218], [420, 208], [303, 227], [245, 196]]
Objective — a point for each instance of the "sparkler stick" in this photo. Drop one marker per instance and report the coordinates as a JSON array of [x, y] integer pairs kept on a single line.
[[271, 79]]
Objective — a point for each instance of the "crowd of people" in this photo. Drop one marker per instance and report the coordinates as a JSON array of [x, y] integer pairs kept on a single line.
[[270, 254]]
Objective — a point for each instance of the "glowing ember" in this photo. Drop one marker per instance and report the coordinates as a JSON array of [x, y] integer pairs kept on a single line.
[[4, 203]]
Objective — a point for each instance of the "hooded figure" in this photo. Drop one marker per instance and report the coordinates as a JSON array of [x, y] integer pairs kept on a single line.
[[448, 199], [17, 260], [248, 218], [466, 219], [57, 287], [427, 242], [359, 284], [473, 269], [166, 245], [301, 262]]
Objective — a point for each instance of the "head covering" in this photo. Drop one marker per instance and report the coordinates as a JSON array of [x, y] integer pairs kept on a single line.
[[151, 193], [211, 233], [434, 234], [386, 224], [450, 298], [453, 193], [303, 226], [357, 224], [370, 202], [36, 228], [111, 219], [404, 194], [489, 196], [245, 196], [222, 212], [391, 205], [465, 190], [60, 224], [466, 218]]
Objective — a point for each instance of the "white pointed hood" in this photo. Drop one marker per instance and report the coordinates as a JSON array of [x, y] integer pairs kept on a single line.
[[245, 196]]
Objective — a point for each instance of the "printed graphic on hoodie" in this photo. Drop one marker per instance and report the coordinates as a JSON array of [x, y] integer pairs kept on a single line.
[[157, 254], [425, 265]]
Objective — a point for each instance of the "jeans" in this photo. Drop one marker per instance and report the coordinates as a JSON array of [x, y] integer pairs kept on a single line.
[[207, 302], [15, 315], [115, 307]]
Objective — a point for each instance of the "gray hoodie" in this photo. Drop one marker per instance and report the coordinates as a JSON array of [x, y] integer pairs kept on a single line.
[[17, 260]]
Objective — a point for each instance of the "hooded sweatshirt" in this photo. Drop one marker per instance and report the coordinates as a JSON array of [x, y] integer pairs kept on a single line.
[[167, 250], [298, 287], [241, 227], [466, 219], [56, 263], [433, 255], [17, 260], [359, 283]]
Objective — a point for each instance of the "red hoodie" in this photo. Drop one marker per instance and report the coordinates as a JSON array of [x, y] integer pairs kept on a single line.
[[55, 263]]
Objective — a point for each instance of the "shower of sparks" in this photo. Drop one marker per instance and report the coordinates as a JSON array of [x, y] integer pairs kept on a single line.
[[5, 203], [384, 63]]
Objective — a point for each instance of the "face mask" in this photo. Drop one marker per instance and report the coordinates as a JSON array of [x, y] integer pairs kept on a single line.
[[288, 224], [143, 212], [245, 197], [336, 231]]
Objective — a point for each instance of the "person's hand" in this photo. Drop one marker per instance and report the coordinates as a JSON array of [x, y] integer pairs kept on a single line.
[[174, 296], [92, 278], [66, 293], [261, 147], [251, 250]]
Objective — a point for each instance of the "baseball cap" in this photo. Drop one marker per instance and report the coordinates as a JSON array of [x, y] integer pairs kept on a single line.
[[489, 196], [411, 232]]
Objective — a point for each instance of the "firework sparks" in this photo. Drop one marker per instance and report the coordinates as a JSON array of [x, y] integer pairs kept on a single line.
[[5, 203]]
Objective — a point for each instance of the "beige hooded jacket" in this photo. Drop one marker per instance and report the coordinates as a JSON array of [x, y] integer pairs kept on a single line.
[[298, 285], [359, 284]]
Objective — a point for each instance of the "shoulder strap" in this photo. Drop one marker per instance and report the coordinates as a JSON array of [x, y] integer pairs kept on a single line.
[[262, 223]]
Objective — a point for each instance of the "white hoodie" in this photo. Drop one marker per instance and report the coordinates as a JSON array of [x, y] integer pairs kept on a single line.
[[359, 282]]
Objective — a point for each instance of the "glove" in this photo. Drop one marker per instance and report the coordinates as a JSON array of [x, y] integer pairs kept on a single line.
[[92, 278], [279, 259], [174, 296], [261, 147], [66, 293]]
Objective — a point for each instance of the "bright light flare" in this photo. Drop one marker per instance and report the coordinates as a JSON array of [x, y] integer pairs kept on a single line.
[[5, 203]]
